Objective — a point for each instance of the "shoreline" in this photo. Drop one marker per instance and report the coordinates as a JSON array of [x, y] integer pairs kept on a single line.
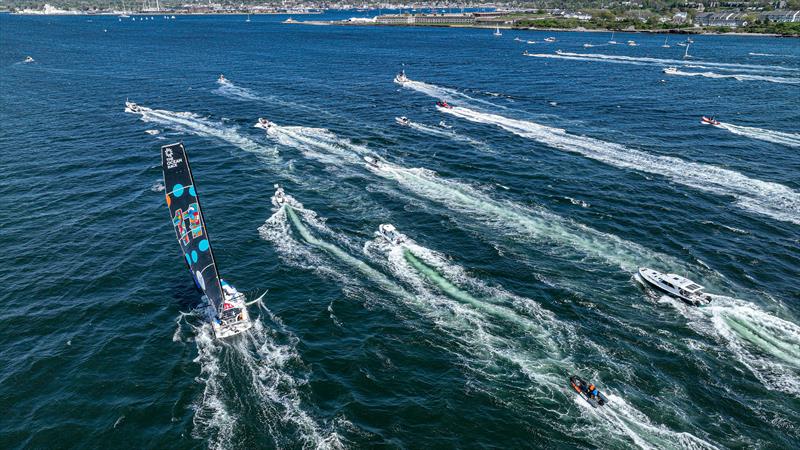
[[571, 30]]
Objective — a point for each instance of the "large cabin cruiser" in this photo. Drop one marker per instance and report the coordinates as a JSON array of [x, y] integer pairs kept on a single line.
[[676, 285]]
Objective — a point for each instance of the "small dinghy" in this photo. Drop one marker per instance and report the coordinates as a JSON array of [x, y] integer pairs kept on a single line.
[[587, 391], [443, 104], [676, 285], [390, 233]]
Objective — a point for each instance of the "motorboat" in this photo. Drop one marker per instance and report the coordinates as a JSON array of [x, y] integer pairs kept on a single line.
[[593, 396], [131, 107], [401, 77], [373, 162], [518, 39], [632, 44], [390, 233], [226, 308], [402, 120], [445, 125], [443, 104], [263, 123], [550, 39], [709, 121], [588, 45], [222, 79], [670, 70], [280, 196], [28, 59], [676, 285], [531, 42], [525, 53], [152, 132]]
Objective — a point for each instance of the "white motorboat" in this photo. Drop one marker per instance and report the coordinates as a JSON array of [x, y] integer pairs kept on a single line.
[[531, 42], [222, 79], [445, 125], [280, 196], [28, 59], [131, 107], [264, 124], [588, 45], [632, 44], [525, 53], [402, 120], [390, 233], [401, 77], [518, 39], [676, 285], [152, 132], [497, 32], [550, 39], [670, 70]]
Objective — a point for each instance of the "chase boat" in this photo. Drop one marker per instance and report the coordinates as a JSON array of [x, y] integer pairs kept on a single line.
[[443, 104], [550, 39], [402, 120], [390, 233], [582, 388], [226, 310], [263, 123], [280, 196], [28, 59], [131, 107], [709, 121], [676, 285], [670, 70], [222, 79], [401, 77]]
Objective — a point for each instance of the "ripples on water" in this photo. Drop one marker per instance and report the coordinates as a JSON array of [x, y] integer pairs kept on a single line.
[[527, 220]]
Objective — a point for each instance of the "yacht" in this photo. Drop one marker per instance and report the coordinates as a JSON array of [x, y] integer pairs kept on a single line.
[[390, 233], [676, 285], [401, 77], [131, 107], [550, 39], [402, 120], [670, 70]]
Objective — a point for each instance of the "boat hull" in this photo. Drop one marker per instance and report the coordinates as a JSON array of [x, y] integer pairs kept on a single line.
[[650, 278]]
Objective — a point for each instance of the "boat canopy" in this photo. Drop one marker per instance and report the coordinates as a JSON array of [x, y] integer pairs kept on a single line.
[[683, 283], [190, 226]]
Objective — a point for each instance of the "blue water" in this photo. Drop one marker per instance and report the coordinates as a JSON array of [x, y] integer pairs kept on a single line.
[[527, 221]]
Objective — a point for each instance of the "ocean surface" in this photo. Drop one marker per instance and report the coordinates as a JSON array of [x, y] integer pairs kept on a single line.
[[528, 212]]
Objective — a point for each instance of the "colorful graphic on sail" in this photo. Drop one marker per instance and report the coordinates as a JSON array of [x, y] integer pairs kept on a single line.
[[187, 218]]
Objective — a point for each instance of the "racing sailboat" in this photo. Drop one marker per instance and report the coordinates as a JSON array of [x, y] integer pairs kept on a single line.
[[226, 309]]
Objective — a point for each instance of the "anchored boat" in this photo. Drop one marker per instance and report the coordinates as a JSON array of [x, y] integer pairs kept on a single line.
[[227, 308], [676, 285]]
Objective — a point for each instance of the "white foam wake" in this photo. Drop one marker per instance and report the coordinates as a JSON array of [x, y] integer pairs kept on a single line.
[[192, 123], [673, 62], [772, 199], [767, 345], [228, 89], [449, 134], [777, 137], [443, 93], [271, 389], [737, 76]]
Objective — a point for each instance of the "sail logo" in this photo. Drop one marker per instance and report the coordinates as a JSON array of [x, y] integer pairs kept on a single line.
[[171, 161], [192, 215]]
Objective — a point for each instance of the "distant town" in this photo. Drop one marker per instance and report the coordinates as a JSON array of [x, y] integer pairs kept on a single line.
[[765, 17]]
